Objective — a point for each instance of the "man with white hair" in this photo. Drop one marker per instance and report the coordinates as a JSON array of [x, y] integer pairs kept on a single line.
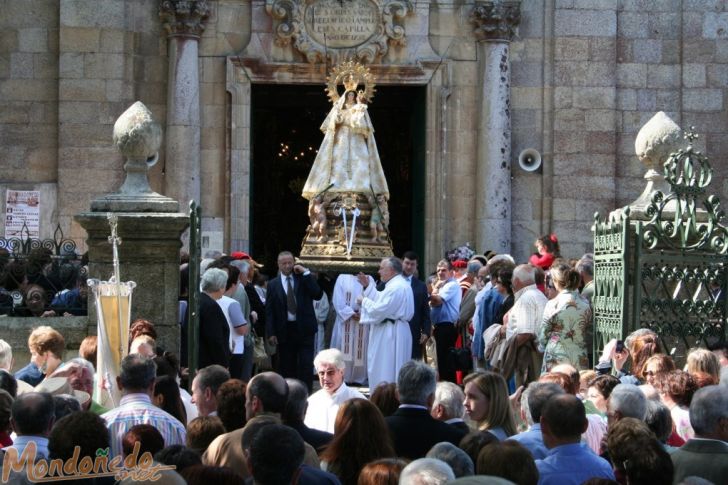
[[701, 456], [324, 404], [388, 313], [448, 405], [524, 320], [585, 267], [6, 356], [412, 428], [426, 471], [626, 401]]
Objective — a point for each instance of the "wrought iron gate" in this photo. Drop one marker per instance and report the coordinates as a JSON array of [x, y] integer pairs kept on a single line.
[[193, 305], [666, 271]]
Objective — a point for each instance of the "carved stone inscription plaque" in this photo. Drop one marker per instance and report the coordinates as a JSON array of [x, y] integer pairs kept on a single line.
[[342, 25], [346, 29]]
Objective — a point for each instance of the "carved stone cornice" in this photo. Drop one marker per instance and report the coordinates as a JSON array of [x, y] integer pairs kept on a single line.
[[496, 20], [184, 18], [333, 30]]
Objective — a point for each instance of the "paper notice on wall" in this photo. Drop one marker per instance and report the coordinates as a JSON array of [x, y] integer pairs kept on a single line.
[[22, 207]]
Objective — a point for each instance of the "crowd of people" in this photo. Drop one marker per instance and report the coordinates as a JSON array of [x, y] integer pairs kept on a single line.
[[482, 373], [41, 285]]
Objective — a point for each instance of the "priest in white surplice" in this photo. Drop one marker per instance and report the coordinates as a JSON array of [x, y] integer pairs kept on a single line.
[[388, 314], [349, 336]]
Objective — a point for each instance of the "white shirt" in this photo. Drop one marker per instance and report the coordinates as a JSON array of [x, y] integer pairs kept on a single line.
[[233, 316], [323, 407], [527, 312]]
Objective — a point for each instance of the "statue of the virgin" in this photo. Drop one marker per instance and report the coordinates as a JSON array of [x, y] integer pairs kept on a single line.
[[347, 160], [346, 189]]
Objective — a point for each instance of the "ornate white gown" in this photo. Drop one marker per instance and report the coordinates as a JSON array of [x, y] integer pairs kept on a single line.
[[348, 155]]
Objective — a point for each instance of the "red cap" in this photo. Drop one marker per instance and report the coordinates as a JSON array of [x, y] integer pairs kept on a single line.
[[240, 255], [460, 263]]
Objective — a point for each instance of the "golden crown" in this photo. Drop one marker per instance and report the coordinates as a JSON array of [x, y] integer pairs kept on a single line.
[[351, 74], [350, 83]]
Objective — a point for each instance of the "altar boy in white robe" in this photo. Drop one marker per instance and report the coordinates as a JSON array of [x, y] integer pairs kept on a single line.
[[348, 335], [388, 313]]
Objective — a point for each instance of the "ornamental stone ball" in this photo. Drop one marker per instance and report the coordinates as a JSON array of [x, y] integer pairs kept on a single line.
[[657, 139], [137, 135]]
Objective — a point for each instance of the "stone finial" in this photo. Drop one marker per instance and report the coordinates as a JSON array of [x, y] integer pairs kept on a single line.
[[138, 137], [657, 139], [496, 20], [185, 18], [136, 134]]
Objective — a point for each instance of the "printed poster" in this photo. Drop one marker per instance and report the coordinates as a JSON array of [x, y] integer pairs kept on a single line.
[[22, 207]]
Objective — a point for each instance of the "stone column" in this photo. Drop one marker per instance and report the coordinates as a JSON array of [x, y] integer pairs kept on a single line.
[[495, 22], [184, 22]]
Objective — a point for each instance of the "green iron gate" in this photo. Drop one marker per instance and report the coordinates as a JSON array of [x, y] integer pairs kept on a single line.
[[660, 272], [193, 305]]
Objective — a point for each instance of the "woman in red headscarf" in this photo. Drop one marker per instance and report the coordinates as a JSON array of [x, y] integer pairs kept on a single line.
[[548, 250]]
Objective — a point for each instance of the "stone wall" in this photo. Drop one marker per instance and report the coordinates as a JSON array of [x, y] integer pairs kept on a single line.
[[29, 101], [111, 53]]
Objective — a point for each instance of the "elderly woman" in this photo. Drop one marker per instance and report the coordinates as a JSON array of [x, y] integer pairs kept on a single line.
[[565, 333], [214, 337], [80, 374]]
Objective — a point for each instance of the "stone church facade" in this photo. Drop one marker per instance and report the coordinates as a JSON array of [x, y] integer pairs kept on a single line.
[[573, 80]]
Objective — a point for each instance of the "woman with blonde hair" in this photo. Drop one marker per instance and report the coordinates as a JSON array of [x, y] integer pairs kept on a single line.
[[703, 360], [565, 333], [486, 403]]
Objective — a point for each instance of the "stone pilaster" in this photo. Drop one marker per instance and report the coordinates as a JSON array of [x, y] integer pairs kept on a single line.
[[184, 21], [495, 23]]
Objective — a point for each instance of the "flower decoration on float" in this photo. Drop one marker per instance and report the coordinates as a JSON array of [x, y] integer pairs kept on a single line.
[[461, 252]]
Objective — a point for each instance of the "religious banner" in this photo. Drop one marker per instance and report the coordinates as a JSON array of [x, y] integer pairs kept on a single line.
[[22, 207]]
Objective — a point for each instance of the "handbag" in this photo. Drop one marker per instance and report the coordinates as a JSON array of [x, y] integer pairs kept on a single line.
[[431, 353]]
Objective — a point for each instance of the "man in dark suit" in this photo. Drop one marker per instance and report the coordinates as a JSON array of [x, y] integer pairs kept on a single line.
[[448, 406], [414, 431], [296, 406], [706, 455], [290, 321], [420, 323]]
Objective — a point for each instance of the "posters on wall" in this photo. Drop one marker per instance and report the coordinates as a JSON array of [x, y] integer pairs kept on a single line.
[[22, 207]]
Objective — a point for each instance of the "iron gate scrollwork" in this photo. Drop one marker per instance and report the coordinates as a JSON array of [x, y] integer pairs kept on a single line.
[[668, 271], [41, 277]]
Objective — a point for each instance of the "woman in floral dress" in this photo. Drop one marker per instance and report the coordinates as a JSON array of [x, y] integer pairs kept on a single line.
[[565, 333]]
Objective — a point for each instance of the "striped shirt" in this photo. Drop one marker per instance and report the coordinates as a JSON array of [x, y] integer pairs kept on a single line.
[[136, 409]]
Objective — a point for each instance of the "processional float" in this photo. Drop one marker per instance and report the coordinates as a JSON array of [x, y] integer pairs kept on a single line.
[[346, 188]]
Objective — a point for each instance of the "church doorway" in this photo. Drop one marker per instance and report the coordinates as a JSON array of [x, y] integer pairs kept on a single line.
[[285, 130]]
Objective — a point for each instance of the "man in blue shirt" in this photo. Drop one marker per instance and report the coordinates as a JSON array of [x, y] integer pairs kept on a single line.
[[445, 310], [533, 400], [568, 462]]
